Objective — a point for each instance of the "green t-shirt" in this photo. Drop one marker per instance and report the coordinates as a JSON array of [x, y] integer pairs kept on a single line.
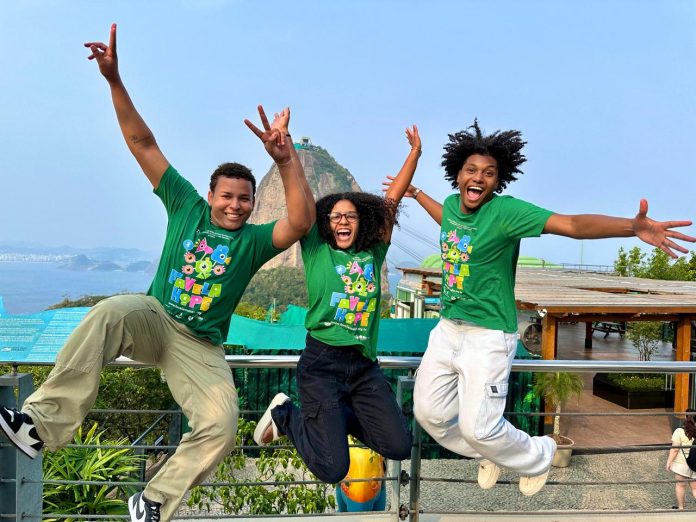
[[204, 269], [344, 293], [479, 258]]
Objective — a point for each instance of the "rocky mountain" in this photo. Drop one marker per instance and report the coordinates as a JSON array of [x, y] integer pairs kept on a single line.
[[324, 175]]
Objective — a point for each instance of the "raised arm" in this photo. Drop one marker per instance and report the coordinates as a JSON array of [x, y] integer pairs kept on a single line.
[[301, 212], [595, 226], [140, 140], [398, 186]]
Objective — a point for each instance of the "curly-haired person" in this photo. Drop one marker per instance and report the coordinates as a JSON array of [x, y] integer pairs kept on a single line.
[[682, 439], [341, 386], [462, 382]]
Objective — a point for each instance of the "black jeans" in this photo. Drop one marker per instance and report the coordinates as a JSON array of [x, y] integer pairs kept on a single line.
[[341, 392]]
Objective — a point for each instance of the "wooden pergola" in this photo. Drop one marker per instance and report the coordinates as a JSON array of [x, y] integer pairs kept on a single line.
[[562, 295], [580, 296]]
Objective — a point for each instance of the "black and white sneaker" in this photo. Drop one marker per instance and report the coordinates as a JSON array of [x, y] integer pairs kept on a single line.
[[21, 431], [142, 509]]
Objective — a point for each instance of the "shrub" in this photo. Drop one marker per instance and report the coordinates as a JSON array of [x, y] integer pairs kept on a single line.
[[88, 464], [637, 381], [273, 464]]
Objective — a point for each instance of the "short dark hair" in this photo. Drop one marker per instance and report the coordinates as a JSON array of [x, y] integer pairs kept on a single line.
[[375, 215], [503, 146], [232, 170]]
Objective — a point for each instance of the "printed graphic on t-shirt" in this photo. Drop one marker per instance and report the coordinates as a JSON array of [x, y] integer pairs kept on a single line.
[[456, 251], [355, 306], [194, 288]]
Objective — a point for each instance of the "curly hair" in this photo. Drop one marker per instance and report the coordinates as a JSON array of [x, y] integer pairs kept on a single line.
[[375, 215], [690, 424], [504, 146], [232, 170]]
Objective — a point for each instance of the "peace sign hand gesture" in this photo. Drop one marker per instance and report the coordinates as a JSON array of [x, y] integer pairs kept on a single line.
[[273, 135], [106, 56]]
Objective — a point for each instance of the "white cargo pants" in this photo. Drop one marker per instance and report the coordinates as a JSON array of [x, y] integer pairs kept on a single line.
[[459, 398]]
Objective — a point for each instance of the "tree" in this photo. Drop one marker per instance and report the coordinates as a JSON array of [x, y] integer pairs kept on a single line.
[[556, 388], [645, 337], [658, 265], [284, 284]]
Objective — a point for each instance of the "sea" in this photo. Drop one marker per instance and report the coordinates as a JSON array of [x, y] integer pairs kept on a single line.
[[28, 288]]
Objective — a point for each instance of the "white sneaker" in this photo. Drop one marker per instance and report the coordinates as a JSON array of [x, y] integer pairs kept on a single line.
[[488, 474], [532, 485], [267, 420]]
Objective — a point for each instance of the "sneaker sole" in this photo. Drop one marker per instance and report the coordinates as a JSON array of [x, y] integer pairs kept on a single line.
[[267, 419], [490, 482], [27, 450], [528, 492]]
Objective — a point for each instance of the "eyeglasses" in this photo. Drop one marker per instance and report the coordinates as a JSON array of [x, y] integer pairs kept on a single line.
[[351, 217]]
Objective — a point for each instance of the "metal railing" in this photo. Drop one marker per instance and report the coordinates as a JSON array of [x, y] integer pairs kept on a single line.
[[21, 481]]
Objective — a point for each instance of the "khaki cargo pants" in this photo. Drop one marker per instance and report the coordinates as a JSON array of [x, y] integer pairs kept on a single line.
[[200, 380]]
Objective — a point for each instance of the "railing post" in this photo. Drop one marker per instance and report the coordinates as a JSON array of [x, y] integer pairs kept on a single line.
[[21, 489], [407, 384], [403, 384]]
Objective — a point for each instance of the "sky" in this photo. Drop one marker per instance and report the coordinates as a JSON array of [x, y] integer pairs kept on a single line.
[[604, 93]]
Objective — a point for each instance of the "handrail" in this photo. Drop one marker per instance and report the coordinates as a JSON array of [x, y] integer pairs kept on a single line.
[[416, 476], [394, 362]]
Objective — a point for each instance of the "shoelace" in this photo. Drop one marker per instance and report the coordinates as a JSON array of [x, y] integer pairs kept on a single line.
[[154, 513]]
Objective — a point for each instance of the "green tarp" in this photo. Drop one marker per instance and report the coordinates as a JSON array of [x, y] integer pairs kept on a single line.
[[395, 335]]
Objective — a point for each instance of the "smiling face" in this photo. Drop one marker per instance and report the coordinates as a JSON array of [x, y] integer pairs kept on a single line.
[[477, 180], [231, 203], [344, 222]]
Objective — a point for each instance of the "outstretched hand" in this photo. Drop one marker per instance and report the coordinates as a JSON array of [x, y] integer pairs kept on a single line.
[[658, 233], [273, 136], [105, 56]]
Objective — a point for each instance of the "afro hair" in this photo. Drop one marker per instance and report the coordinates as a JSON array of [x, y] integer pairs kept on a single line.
[[504, 146]]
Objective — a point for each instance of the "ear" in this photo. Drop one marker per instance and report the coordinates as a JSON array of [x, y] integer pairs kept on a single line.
[[210, 198]]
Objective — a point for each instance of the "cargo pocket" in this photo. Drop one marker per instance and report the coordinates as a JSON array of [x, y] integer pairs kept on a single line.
[[492, 409], [318, 448]]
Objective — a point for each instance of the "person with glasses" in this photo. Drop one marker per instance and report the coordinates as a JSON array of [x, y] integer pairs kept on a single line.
[[341, 386]]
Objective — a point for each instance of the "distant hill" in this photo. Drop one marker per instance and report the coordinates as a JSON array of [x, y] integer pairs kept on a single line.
[[103, 259]]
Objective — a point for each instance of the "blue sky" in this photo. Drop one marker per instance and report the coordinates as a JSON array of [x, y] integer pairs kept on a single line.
[[603, 91]]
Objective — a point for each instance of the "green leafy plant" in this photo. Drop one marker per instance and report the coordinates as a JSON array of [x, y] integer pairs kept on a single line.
[[88, 464], [645, 337], [273, 464], [557, 388], [637, 381]]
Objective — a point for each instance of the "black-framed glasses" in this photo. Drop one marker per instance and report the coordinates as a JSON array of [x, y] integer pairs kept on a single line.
[[351, 217]]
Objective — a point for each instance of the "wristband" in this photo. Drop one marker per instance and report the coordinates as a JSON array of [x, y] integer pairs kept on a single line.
[[416, 192]]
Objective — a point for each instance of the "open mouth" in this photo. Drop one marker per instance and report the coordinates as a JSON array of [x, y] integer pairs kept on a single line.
[[474, 193], [343, 234]]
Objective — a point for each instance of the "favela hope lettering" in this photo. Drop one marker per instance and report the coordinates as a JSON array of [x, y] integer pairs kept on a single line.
[[352, 310], [199, 294]]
